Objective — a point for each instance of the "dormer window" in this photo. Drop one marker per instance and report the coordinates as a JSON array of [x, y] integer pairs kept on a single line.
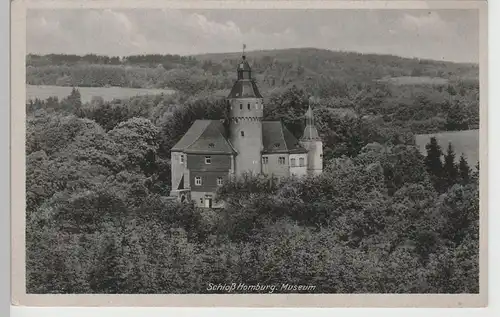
[[211, 145], [276, 145]]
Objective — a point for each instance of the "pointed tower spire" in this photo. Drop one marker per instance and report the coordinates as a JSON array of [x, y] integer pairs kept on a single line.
[[312, 142], [310, 131]]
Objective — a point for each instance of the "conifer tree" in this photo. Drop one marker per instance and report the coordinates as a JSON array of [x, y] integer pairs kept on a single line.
[[464, 170], [433, 163], [433, 159], [450, 170]]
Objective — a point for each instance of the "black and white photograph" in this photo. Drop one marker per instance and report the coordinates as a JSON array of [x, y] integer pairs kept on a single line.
[[252, 151]]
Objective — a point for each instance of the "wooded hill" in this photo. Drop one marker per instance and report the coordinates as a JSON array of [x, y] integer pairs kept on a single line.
[[271, 67]]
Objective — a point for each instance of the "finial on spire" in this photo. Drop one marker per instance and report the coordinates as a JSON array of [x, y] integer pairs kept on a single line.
[[243, 54]]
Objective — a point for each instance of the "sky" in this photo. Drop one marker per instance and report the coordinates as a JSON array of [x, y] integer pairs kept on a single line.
[[451, 35]]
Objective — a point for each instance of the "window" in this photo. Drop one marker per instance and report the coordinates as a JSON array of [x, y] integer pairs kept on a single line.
[[197, 181], [301, 161], [219, 181], [248, 106], [281, 160], [321, 156], [242, 133], [292, 162], [208, 160], [265, 160], [276, 145], [201, 200], [182, 158], [241, 106]]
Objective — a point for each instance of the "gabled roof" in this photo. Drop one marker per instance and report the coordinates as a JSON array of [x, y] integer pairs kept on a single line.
[[205, 136], [276, 138]]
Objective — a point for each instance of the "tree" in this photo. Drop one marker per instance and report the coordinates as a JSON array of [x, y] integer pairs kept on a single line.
[[464, 170], [450, 172], [433, 163], [137, 141], [457, 118], [289, 107], [107, 276]]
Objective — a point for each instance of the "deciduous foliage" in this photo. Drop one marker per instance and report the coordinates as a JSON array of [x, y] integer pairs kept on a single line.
[[380, 219]]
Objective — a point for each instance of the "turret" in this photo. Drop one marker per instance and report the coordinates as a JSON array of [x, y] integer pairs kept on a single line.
[[311, 141], [246, 107]]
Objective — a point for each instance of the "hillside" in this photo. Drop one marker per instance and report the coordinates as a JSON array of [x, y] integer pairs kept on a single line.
[[303, 66], [313, 58], [421, 96]]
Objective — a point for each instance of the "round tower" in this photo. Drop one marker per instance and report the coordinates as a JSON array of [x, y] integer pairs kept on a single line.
[[246, 107], [312, 143]]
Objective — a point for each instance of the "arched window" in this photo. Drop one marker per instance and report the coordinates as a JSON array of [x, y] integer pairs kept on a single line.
[[242, 133], [248, 106], [241, 106], [301, 161], [292, 162]]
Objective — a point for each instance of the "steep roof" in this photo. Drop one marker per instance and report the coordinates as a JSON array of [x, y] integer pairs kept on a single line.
[[310, 131], [245, 88], [205, 136], [276, 138]]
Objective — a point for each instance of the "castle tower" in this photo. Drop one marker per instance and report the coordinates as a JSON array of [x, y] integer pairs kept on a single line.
[[246, 106], [312, 143]]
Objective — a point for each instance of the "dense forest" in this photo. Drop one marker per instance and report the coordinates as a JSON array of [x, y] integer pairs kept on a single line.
[[382, 218]]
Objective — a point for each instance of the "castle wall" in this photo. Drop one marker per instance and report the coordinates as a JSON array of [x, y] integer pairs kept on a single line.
[[273, 165], [220, 166], [218, 162], [200, 199], [314, 156], [299, 169], [246, 107], [178, 168], [246, 134], [208, 180]]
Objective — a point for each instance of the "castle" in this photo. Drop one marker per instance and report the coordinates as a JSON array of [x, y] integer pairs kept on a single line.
[[209, 152]]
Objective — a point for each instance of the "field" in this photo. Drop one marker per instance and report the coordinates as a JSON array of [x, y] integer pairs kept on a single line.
[[107, 93], [463, 142]]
